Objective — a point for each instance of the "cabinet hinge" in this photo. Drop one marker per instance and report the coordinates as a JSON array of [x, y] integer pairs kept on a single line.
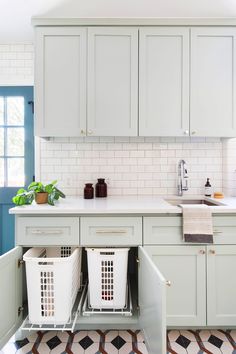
[[20, 309], [20, 262]]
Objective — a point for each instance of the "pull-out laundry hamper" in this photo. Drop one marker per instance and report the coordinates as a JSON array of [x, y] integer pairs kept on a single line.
[[107, 273], [53, 280]]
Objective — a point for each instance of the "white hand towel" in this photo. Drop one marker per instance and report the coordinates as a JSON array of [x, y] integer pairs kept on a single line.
[[197, 224]]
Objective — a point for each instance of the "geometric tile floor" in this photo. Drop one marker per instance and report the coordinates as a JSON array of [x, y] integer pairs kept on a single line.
[[79, 342], [201, 341], [122, 342]]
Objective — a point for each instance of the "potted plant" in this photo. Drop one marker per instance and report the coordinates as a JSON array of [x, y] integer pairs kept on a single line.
[[39, 192]]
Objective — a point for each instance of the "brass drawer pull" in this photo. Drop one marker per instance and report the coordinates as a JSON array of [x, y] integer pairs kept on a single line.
[[46, 232], [111, 231]]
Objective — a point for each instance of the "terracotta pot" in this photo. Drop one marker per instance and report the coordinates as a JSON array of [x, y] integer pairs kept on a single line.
[[41, 198]]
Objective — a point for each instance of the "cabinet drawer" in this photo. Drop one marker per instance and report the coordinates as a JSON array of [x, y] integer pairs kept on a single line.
[[111, 231], [47, 231], [224, 229], [168, 230], [162, 230]]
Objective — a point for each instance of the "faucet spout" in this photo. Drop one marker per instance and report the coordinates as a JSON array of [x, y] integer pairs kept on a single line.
[[182, 177]]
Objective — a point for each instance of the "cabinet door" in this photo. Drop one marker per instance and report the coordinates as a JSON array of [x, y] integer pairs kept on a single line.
[[152, 302], [185, 268], [112, 81], [213, 79], [221, 285], [11, 294], [164, 82], [60, 81]]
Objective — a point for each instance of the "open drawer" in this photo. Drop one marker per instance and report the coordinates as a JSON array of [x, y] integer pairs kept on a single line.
[[149, 315]]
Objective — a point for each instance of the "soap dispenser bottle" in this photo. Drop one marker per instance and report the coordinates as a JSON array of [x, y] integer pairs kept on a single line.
[[208, 190]]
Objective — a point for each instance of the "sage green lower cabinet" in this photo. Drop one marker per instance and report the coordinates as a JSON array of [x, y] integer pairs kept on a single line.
[[10, 294], [185, 269], [221, 285]]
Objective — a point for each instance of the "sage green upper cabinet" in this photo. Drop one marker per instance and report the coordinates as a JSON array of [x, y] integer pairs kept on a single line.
[[112, 81], [60, 81], [164, 81], [213, 91]]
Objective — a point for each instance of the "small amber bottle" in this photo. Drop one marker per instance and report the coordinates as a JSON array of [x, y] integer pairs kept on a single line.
[[88, 191], [101, 188]]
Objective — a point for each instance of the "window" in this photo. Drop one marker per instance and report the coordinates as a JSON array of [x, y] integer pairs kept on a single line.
[[12, 141]]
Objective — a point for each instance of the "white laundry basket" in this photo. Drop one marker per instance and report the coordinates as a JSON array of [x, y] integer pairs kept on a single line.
[[107, 272], [53, 280]]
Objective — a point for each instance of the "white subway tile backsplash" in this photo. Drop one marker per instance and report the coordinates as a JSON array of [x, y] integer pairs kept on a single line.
[[132, 165]]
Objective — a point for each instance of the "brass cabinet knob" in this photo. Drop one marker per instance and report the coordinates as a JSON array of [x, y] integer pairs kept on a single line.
[[186, 132], [202, 251], [83, 132], [194, 132], [168, 283], [90, 132], [212, 252]]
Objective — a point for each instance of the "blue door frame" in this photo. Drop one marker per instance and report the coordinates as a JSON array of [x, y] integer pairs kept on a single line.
[[6, 193]]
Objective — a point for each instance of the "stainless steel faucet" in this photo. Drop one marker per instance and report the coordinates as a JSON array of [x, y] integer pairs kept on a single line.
[[182, 177]]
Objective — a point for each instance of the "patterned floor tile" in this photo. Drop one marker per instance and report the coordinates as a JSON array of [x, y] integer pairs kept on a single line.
[[193, 348], [204, 335], [178, 348], [32, 336], [227, 348], [219, 334], [110, 335], [48, 335], [212, 348], [140, 336], [126, 336], [94, 335], [26, 349], [63, 336], [233, 334], [188, 335], [173, 335], [59, 349], [142, 348], [109, 348], [43, 348], [80, 335], [94, 348], [76, 348], [126, 348]]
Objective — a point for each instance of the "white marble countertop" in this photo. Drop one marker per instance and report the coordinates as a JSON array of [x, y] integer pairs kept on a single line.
[[120, 205]]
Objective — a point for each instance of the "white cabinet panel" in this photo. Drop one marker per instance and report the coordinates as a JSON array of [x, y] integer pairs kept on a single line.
[[152, 303], [213, 94], [221, 285], [184, 267], [164, 82], [112, 81], [11, 294], [60, 81]]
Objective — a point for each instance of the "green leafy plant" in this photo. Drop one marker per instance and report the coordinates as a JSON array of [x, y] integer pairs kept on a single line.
[[24, 197]]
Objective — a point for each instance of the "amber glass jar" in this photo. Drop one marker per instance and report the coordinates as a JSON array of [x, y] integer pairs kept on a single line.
[[88, 191], [101, 188]]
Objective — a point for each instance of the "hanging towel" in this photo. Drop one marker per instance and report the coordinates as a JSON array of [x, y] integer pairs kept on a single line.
[[197, 224]]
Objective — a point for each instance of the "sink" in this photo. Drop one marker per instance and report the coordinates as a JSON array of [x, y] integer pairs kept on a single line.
[[198, 201]]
